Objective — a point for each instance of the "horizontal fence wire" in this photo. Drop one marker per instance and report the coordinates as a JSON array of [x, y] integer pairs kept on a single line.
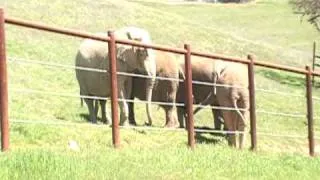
[[57, 65], [219, 107], [84, 124], [279, 92], [62, 66], [31, 91], [61, 123], [316, 98], [220, 131], [293, 136], [282, 114], [54, 65]]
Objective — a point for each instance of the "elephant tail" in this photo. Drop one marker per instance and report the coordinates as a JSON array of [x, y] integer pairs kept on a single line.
[[181, 74], [207, 99], [203, 103], [237, 110]]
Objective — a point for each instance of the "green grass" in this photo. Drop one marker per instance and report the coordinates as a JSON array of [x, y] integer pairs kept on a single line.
[[177, 163], [266, 28], [41, 152]]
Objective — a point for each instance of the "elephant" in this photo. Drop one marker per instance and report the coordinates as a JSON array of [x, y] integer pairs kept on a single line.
[[232, 92], [94, 54], [203, 70], [165, 90], [235, 95]]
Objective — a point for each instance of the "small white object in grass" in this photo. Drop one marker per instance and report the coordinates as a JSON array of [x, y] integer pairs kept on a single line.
[[73, 145]]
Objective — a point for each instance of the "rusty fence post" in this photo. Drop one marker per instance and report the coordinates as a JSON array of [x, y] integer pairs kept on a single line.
[[114, 89], [313, 59], [310, 110], [252, 99], [3, 88], [189, 96]]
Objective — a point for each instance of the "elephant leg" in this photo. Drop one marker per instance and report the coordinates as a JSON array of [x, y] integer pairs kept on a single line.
[[181, 117], [171, 117], [149, 88], [242, 127], [230, 126], [216, 113], [124, 110], [92, 114], [124, 113], [132, 120], [105, 118], [96, 106]]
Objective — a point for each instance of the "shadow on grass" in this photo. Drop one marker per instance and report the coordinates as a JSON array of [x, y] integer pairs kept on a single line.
[[214, 138], [288, 78], [87, 117]]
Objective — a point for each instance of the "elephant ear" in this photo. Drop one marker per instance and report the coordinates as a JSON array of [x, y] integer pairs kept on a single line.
[[219, 70], [133, 37], [121, 53], [140, 51]]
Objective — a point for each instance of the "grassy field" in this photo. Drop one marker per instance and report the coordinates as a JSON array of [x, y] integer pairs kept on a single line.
[[39, 149]]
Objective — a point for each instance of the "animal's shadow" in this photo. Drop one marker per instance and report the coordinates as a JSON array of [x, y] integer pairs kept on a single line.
[[87, 117], [200, 137], [214, 137]]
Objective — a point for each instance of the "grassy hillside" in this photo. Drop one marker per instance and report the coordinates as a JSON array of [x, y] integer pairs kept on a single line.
[[266, 28]]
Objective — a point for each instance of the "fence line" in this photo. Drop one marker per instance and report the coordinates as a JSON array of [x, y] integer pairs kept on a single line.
[[281, 135], [54, 65], [282, 114], [54, 123], [70, 32], [31, 91], [279, 92], [58, 66], [316, 98], [187, 52]]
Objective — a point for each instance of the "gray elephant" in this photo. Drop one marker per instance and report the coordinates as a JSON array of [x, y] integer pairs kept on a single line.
[[163, 91], [232, 92], [234, 95], [94, 54], [203, 70]]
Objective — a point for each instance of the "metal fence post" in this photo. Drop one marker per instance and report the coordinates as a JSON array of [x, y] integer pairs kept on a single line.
[[3, 88], [189, 96], [114, 89], [310, 110], [313, 59], [252, 97]]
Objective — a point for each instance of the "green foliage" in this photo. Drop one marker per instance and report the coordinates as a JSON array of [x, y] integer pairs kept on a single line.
[[309, 8]]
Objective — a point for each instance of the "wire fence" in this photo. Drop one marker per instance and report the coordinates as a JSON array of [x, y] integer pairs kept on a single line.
[[58, 122], [187, 52], [72, 67]]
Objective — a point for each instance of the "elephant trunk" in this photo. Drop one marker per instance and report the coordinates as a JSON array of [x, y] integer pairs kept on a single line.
[[149, 98], [149, 89]]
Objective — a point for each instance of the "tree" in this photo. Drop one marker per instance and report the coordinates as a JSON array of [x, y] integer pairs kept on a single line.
[[309, 9]]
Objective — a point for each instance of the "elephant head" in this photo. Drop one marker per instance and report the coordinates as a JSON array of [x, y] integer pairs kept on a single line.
[[139, 58]]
